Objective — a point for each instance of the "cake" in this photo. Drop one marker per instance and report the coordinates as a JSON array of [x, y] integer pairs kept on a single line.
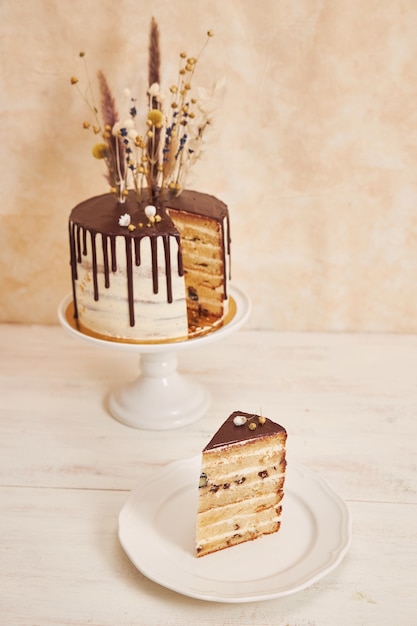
[[162, 280], [241, 483], [150, 259]]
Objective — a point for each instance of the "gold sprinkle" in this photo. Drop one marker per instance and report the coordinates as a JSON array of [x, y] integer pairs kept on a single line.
[[86, 124], [131, 227], [261, 420], [158, 218], [252, 426]]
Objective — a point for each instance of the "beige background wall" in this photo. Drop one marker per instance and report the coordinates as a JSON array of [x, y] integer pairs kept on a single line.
[[315, 149]]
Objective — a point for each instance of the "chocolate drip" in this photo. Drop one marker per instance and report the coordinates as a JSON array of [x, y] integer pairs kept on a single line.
[[84, 249], [113, 253], [73, 262], [129, 269], [73, 254], [179, 259], [78, 244], [167, 250], [226, 247], [94, 266], [154, 254], [104, 241], [137, 252]]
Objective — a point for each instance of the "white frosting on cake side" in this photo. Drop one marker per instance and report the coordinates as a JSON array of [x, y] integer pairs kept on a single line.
[[157, 318]]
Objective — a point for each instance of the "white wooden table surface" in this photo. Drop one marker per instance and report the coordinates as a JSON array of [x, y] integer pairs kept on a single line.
[[348, 401]]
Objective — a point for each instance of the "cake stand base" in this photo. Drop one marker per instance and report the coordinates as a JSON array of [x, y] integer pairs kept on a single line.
[[161, 398]]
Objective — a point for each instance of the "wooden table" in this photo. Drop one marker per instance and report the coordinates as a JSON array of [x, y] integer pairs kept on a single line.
[[348, 401]]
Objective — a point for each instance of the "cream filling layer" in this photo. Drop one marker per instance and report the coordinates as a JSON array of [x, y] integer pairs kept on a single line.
[[254, 528]]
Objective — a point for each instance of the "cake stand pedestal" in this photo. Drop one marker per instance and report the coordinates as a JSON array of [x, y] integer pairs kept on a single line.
[[160, 398]]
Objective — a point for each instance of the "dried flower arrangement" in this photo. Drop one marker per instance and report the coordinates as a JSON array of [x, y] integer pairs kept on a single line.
[[160, 157]]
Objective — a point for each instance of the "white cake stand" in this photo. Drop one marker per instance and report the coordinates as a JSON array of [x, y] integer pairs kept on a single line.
[[160, 398]]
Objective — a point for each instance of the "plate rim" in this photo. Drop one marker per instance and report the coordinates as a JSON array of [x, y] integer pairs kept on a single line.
[[336, 554]]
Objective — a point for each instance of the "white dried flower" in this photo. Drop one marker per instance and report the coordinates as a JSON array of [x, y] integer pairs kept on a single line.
[[124, 220], [239, 420], [153, 89], [155, 92]]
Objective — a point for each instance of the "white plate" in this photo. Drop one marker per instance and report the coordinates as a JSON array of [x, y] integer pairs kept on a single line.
[[156, 529]]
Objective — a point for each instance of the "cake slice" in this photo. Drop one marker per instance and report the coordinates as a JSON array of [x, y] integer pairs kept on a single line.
[[241, 483]]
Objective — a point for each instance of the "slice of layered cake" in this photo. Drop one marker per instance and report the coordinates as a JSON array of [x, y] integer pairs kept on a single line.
[[241, 483]]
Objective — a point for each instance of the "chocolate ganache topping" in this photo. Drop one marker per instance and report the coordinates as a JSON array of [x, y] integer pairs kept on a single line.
[[95, 222], [242, 427]]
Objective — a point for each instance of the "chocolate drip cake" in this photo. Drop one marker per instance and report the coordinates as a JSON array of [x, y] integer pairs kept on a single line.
[[164, 278], [241, 483]]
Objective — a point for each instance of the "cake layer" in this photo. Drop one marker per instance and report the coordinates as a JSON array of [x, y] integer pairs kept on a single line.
[[220, 543], [253, 529], [265, 451], [226, 513], [230, 491]]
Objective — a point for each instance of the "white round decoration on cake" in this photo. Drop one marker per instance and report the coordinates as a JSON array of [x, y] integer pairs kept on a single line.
[[150, 210]]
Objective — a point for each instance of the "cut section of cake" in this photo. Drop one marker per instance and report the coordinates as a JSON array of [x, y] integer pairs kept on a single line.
[[241, 483]]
